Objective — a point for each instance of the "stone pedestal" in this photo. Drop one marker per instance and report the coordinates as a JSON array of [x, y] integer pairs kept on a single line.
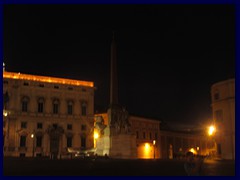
[[117, 146]]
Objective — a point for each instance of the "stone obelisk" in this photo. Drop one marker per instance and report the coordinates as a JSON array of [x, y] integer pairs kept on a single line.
[[117, 140], [113, 75]]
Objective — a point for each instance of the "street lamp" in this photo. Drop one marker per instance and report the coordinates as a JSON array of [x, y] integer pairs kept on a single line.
[[32, 136], [211, 130], [95, 137], [154, 142]]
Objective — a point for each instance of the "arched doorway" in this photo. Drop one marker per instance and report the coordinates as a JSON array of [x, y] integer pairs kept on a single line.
[[55, 132]]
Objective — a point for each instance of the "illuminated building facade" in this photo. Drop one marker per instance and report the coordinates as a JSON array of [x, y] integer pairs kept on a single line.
[[147, 136], [146, 133], [46, 116], [174, 144], [223, 108], [153, 142]]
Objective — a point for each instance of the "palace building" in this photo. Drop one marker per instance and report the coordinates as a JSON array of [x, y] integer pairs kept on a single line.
[[46, 116], [223, 109]]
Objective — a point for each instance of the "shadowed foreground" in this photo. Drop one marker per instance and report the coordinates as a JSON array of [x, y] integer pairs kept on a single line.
[[109, 167]]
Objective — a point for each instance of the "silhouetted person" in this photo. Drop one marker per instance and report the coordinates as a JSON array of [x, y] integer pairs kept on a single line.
[[192, 166]]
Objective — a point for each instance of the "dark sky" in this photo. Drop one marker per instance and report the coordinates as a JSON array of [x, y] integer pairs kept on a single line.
[[168, 55]]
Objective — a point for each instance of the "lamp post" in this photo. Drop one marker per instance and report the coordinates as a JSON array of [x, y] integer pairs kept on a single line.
[[211, 133], [95, 137], [32, 136], [154, 142]]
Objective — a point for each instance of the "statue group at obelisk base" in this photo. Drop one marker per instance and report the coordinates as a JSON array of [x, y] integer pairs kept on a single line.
[[116, 139]]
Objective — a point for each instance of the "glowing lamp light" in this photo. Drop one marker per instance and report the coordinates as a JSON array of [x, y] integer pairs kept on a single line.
[[211, 130], [147, 146], [193, 151], [5, 114], [32, 135], [96, 135]]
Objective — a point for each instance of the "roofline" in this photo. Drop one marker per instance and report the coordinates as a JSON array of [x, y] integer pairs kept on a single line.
[[47, 79]]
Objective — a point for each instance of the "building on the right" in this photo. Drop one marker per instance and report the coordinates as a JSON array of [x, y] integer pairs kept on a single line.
[[223, 109]]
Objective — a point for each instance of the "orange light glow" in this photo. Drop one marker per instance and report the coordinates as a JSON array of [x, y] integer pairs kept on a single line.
[[20, 76], [147, 146], [193, 151], [211, 130]]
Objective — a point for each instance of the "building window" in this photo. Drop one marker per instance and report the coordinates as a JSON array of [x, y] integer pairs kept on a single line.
[[84, 108], [70, 88], [40, 105], [23, 125], [150, 135], [69, 141], [83, 127], [137, 135], [56, 87], [70, 107], [39, 125], [26, 84], [22, 141], [69, 127], [5, 82], [25, 101], [83, 142], [216, 96], [156, 136], [39, 141], [144, 135], [219, 115], [55, 106], [41, 85]]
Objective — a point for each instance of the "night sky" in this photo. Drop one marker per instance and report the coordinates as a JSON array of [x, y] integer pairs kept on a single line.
[[168, 55]]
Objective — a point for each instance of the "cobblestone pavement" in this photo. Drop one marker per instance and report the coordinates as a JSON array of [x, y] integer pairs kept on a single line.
[[110, 167]]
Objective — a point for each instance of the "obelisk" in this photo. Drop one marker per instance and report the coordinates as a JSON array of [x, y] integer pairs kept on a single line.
[[113, 75], [117, 141]]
